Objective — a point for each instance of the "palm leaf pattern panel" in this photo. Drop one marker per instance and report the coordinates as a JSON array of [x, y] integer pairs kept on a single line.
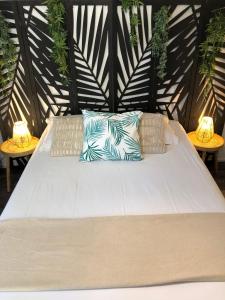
[[134, 73], [134, 62], [14, 100], [174, 92], [52, 95], [91, 49], [212, 103]]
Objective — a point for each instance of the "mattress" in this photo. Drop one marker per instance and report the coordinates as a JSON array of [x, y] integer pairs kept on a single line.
[[63, 187]]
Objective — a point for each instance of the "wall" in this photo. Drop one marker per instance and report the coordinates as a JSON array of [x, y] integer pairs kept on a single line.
[[107, 73]]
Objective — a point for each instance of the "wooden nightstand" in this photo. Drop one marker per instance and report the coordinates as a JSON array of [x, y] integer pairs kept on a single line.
[[10, 150], [215, 144]]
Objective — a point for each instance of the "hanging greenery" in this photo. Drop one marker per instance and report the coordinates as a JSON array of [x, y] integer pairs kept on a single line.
[[160, 39], [211, 47], [132, 6], [8, 54], [56, 17]]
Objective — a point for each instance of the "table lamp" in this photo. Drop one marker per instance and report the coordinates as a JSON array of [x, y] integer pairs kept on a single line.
[[21, 134], [205, 130]]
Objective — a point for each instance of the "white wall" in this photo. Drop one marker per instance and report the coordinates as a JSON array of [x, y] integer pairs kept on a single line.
[[221, 156]]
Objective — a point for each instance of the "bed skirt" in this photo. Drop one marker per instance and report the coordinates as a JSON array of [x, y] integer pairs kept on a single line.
[[111, 252]]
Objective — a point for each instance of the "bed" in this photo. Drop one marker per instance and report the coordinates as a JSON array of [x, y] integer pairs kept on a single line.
[[171, 183]]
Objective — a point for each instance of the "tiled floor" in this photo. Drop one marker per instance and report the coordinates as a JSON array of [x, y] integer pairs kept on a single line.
[[16, 173]]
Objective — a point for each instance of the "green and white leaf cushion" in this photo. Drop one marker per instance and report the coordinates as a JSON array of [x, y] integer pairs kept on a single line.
[[110, 136]]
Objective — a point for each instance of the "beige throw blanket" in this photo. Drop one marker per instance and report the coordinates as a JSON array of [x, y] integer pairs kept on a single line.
[[111, 252]]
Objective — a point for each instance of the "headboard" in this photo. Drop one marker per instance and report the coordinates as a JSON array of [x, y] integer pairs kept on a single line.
[[107, 73]]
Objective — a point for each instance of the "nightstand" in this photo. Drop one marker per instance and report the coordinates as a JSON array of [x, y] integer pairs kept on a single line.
[[10, 150], [215, 144]]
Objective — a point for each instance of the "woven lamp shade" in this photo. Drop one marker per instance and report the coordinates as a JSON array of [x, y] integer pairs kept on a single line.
[[21, 134], [205, 130]]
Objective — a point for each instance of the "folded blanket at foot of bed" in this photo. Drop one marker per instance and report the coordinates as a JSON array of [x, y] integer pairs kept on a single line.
[[111, 252]]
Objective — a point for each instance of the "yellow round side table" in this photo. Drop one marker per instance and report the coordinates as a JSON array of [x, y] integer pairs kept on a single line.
[[10, 150], [215, 144]]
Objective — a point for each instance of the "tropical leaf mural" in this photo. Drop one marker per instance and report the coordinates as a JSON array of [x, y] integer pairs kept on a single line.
[[209, 98], [52, 95], [133, 87], [213, 102], [91, 49], [107, 72], [175, 91], [15, 102]]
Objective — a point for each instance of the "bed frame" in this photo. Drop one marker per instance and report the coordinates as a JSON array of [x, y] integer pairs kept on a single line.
[[37, 92]]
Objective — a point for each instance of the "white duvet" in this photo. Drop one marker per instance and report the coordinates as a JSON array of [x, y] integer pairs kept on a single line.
[[174, 182]]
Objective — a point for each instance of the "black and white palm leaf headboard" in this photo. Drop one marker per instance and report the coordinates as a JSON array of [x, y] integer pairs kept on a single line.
[[15, 99], [91, 55], [133, 63], [107, 73]]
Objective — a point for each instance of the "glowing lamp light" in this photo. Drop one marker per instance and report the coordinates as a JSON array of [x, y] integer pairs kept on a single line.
[[205, 130], [21, 134]]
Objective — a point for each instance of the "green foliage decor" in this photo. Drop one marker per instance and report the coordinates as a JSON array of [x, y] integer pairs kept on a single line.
[[160, 39], [8, 54], [211, 47], [134, 18], [56, 17]]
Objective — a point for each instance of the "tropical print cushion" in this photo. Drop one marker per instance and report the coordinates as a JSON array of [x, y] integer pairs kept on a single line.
[[109, 136]]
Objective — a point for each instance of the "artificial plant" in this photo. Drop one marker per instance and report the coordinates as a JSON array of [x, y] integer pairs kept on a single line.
[[8, 54], [132, 6], [56, 16], [160, 39], [210, 48]]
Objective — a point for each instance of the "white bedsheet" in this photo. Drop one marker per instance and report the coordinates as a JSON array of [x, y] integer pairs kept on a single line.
[[63, 187], [174, 182]]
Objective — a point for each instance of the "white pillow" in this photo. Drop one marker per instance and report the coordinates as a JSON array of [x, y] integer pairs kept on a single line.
[[46, 137], [170, 137]]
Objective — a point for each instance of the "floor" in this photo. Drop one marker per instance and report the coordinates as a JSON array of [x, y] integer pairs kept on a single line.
[[17, 171], [220, 178], [4, 195]]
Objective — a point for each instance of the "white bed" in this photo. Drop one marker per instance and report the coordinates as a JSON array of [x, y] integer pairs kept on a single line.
[[174, 182]]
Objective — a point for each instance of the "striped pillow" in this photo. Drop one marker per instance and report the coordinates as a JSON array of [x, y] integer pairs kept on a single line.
[[68, 135], [152, 133]]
